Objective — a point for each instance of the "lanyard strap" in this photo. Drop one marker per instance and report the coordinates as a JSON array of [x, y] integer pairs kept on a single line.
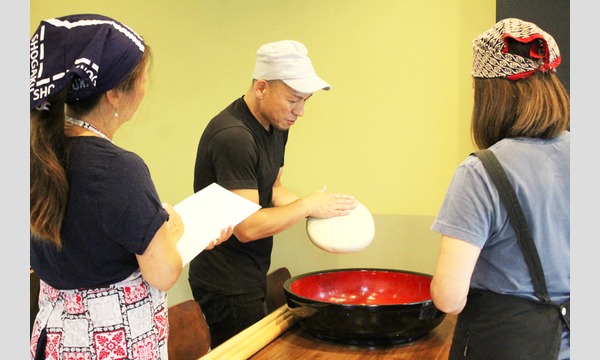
[[87, 126]]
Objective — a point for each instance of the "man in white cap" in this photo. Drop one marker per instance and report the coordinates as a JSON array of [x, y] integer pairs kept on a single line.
[[242, 149]]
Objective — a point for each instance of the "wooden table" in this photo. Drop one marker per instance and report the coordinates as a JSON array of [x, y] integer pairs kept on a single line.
[[298, 343]]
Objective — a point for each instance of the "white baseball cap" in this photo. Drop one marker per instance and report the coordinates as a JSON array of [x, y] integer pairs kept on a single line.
[[287, 60]]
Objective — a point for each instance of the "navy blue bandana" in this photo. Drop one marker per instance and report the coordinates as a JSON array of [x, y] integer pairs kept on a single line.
[[90, 53]]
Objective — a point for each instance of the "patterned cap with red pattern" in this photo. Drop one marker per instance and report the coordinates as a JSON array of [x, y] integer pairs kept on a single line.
[[491, 57]]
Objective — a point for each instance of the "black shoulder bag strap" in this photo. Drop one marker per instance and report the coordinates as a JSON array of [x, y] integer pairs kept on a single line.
[[519, 223]]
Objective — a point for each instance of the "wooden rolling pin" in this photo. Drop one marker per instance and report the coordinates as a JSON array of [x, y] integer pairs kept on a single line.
[[249, 341]]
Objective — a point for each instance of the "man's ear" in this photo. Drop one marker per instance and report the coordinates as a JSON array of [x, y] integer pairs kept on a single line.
[[260, 88]]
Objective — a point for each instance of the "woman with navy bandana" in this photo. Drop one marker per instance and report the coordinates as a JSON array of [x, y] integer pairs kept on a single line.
[[520, 113], [102, 243]]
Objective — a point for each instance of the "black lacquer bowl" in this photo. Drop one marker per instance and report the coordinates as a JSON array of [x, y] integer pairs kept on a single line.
[[363, 306]]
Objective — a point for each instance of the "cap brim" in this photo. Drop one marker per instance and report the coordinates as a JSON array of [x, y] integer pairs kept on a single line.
[[307, 86]]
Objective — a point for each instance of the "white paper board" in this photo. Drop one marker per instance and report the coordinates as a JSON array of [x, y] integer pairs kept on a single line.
[[205, 214]]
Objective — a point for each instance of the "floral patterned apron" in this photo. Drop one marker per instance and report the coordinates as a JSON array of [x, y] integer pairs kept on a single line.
[[126, 320]]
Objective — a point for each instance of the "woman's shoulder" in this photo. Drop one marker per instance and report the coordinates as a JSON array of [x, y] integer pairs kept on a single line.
[[105, 158], [99, 148]]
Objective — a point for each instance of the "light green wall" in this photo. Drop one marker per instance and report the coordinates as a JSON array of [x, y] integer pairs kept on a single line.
[[391, 131]]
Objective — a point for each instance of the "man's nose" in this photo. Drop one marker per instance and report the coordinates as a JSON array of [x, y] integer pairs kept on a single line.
[[298, 110]]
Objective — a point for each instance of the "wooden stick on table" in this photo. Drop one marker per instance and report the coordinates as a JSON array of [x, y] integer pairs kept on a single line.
[[249, 341]]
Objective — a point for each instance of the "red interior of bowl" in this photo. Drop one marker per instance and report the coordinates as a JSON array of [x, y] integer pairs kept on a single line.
[[364, 287]]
